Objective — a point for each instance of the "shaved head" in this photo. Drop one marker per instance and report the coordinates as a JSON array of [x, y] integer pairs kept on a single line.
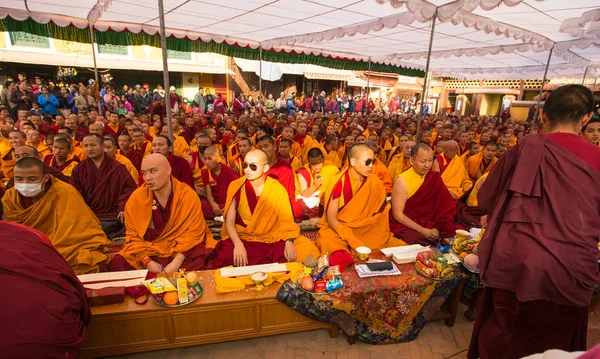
[[26, 151], [258, 158], [361, 159], [156, 171], [211, 150], [451, 148]]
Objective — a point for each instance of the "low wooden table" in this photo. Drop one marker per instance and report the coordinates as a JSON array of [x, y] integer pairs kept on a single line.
[[129, 328]]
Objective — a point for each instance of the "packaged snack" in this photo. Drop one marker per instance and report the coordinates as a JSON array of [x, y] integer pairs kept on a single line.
[[334, 284], [333, 271], [195, 290], [423, 258], [432, 272], [159, 285], [320, 286], [182, 291], [322, 266], [441, 263]]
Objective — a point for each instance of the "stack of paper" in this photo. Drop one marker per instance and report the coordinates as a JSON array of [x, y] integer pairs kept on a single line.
[[113, 279], [248, 270], [404, 249], [364, 271]]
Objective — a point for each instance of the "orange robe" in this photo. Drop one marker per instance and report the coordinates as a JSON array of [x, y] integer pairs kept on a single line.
[[130, 167], [295, 163], [398, 164], [301, 151], [363, 217], [384, 175], [42, 149], [180, 147], [7, 164], [333, 157], [68, 222], [145, 148], [455, 176], [475, 164], [184, 230]]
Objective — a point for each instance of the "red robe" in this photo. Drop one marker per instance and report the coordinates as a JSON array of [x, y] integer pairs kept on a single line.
[[134, 156], [283, 173], [105, 189], [548, 202], [218, 185], [50, 295], [431, 206]]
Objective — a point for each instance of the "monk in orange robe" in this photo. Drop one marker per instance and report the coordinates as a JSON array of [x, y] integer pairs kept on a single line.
[[305, 142], [60, 158], [34, 140], [453, 171], [380, 170], [474, 149], [317, 176], [77, 153], [165, 227], [7, 161], [216, 178], [330, 148], [259, 225], [402, 160], [482, 162], [244, 145], [140, 143], [55, 208], [110, 148], [355, 210], [287, 133], [285, 147]]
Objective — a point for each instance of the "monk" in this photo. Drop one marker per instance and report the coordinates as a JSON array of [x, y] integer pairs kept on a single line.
[[355, 210], [473, 150], [180, 168], [165, 227], [140, 143], [77, 153], [591, 131], [401, 161], [422, 208], [317, 176], [216, 178], [28, 151], [538, 258], [34, 140], [126, 149], [259, 225], [56, 209], [105, 185], [483, 162], [396, 150], [7, 162], [468, 212], [244, 145], [331, 146], [59, 159], [287, 133], [380, 170], [48, 289], [180, 145], [304, 141], [285, 147], [110, 148], [453, 171]]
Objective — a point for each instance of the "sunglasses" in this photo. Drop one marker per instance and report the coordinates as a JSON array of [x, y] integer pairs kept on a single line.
[[369, 161], [252, 166]]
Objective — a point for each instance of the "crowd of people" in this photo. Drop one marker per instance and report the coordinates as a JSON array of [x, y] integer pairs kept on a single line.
[[86, 167]]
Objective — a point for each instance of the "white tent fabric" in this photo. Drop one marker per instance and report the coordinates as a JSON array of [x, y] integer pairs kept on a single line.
[[310, 71], [473, 38]]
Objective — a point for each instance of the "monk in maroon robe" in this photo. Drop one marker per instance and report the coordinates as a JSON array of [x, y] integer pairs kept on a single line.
[[538, 258], [127, 149], [180, 168], [216, 178], [104, 184], [281, 170], [28, 151], [48, 316]]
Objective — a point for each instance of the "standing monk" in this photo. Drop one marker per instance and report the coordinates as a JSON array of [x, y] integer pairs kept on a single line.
[[165, 227], [180, 168], [105, 185], [259, 226], [55, 208], [538, 258], [216, 178]]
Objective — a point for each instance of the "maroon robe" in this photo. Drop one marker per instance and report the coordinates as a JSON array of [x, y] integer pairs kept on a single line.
[[537, 291], [48, 317], [134, 156], [218, 185], [51, 162], [431, 206], [468, 217], [441, 158], [283, 173], [190, 133], [105, 189]]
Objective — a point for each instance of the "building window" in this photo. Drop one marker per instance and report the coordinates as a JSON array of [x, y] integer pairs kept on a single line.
[[180, 55], [20, 38], [112, 49]]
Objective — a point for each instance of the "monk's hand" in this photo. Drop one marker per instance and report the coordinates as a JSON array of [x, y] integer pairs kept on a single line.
[[430, 234], [484, 221], [290, 251], [216, 210], [318, 182], [121, 216], [154, 267], [240, 257]]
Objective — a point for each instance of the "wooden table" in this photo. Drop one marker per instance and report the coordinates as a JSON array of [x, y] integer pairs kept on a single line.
[[129, 328]]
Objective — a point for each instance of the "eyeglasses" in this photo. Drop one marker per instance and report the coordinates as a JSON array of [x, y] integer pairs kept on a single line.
[[252, 166], [369, 161]]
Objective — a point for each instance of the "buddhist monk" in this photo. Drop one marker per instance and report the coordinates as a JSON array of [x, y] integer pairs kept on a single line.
[[165, 227], [97, 128], [538, 258], [285, 147], [244, 146], [331, 147], [287, 133], [396, 150], [140, 143], [483, 162], [180, 168], [126, 149], [180, 145], [468, 212], [59, 159], [591, 131], [28, 151], [7, 162], [105, 185], [50, 295], [34, 140], [355, 210], [453, 171], [304, 141], [422, 208], [401, 161], [216, 178], [259, 225], [473, 150], [110, 148], [56, 209], [317, 176], [77, 153], [380, 170]]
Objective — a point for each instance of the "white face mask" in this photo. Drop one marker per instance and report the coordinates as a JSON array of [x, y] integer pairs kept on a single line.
[[30, 189]]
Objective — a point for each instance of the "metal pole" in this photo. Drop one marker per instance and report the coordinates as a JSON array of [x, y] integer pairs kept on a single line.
[[260, 70], [594, 85], [423, 95], [584, 75], [95, 67], [369, 80], [537, 110], [163, 46]]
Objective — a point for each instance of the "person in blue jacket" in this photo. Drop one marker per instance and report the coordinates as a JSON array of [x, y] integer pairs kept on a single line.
[[48, 102]]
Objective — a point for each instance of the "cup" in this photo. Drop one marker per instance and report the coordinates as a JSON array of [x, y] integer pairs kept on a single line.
[[259, 278], [363, 253]]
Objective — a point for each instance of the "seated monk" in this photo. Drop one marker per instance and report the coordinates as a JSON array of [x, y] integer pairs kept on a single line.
[[468, 212], [216, 178], [104, 184], [453, 171], [287, 133], [197, 162], [285, 148], [259, 226], [28, 151], [126, 149], [244, 146], [55, 208], [380, 170], [140, 143], [473, 150], [331, 146], [61, 158], [304, 141], [401, 161], [356, 211], [34, 140], [110, 148], [77, 153], [483, 162], [180, 168], [7, 162], [422, 208], [165, 227], [180, 145], [317, 175]]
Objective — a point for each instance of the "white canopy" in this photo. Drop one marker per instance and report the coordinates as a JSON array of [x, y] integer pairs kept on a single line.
[[472, 39], [310, 71]]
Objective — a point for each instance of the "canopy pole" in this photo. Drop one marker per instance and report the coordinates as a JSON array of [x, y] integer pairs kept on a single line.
[[537, 110], [95, 66], [584, 75], [163, 46], [424, 93], [369, 80], [260, 69]]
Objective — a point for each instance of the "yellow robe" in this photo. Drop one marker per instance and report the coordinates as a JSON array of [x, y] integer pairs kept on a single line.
[[413, 181], [475, 163], [295, 163], [363, 220], [147, 152], [42, 149], [180, 147], [456, 177], [68, 222], [7, 164], [472, 199], [130, 167], [384, 175], [333, 157], [328, 173], [272, 220], [302, 151], [397, 165]]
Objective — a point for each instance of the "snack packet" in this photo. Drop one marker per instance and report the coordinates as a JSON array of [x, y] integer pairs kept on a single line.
[[159, 285]]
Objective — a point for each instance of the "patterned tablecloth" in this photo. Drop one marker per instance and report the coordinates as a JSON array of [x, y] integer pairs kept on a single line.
[[377, 310]]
